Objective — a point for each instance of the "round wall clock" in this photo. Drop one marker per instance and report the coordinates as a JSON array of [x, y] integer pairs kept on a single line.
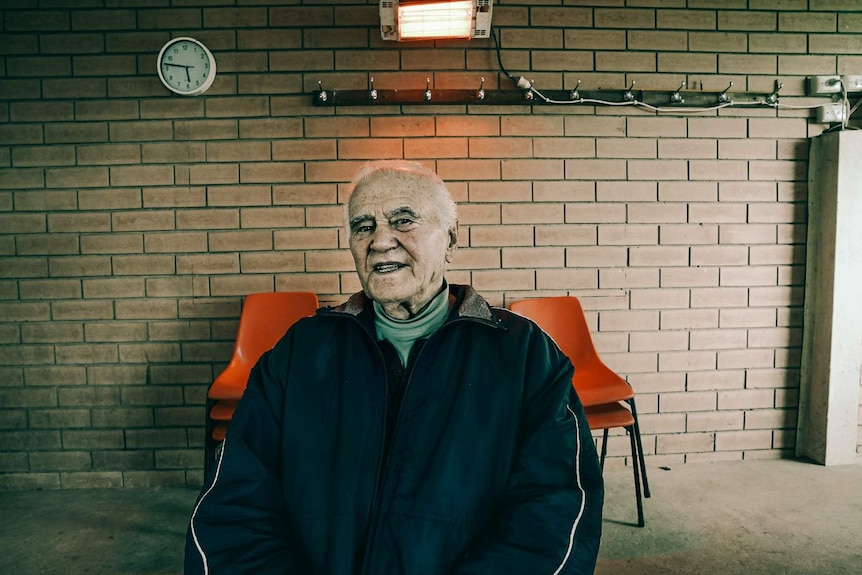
[[186, 66]]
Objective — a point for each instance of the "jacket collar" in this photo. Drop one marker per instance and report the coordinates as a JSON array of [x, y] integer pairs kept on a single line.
[[468, 303]]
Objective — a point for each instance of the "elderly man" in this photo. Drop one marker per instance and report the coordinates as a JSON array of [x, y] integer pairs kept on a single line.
[[412, 430]]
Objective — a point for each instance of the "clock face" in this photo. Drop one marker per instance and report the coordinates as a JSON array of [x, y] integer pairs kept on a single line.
[[186, 66]]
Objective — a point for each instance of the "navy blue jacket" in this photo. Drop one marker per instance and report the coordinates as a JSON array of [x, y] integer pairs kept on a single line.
[[491, 468]]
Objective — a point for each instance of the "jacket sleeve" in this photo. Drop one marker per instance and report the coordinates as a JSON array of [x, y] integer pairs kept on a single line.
[[238, 524], [549, 520]]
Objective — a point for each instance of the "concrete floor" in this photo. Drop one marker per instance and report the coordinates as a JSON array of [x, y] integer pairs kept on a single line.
[[755, 517]]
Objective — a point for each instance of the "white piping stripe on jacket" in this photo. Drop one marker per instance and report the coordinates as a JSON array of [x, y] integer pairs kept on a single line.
[[583, 493], [195, 512]]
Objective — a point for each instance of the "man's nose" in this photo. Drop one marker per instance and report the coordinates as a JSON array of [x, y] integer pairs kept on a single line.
[[382, 238]]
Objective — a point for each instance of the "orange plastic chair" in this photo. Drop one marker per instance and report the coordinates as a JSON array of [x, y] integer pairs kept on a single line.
[[264, 320], [599, 388]]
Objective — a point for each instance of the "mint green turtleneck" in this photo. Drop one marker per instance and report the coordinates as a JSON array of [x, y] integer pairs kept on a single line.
[[402, 333]]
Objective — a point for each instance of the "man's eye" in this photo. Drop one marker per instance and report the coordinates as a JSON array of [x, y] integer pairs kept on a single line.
[[402, 223], [363, 229]]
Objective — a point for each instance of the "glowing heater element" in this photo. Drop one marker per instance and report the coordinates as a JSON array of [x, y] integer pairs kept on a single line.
[[434, 19]]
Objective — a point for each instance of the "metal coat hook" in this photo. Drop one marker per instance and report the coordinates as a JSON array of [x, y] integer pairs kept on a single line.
[[723, 98], [480, 94], [629, 96], [322, 96], [676, 97], [773, 97], [427, 95], [575, 95], [372, 93]]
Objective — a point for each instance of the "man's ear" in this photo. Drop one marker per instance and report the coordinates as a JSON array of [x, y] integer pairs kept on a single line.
[[453, 242]]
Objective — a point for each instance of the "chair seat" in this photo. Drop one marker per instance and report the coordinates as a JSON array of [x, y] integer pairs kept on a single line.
[[220, 431], [229, 385], [608, 416], [596, 384], [223, 410]]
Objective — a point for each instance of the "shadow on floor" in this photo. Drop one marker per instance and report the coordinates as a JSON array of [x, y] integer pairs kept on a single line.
[[777, 517]]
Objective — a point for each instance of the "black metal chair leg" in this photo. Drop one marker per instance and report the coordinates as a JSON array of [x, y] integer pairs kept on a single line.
[[641, 462], [636, 472], [604, 448], [209, 442]]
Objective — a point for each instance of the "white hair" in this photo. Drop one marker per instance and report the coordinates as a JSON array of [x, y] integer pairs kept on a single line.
[[445, 208]]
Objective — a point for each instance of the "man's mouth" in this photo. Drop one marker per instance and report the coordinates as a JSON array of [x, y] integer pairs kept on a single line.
[[387, 267]]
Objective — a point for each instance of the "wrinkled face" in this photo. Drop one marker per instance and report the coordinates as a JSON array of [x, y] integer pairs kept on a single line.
[[398, 243]]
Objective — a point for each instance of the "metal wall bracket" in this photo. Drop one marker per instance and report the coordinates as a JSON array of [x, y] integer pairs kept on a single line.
[[656, 98]]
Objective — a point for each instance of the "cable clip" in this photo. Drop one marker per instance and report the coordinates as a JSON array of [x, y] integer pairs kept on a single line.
[[480, 94], [427, 95]]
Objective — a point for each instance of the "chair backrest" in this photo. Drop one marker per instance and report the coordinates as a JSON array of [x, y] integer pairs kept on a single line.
[[563, 319], [265, 318]]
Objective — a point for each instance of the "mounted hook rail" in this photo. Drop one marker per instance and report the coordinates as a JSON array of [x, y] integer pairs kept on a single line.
[[678, 98]]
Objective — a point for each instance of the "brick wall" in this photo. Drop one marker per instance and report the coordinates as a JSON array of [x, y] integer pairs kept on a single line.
[[132, 222]]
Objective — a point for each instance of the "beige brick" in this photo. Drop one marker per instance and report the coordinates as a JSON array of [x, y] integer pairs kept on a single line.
[[322, 283], [685, 443], [74, 310], [595, 213], [770, 419], [635, 320], [471, 170], [175, 242], [775, 337], [716, 380], [721, 297], [627, 235], [565, 235], [275, 172], [275, 262], [533, 257], [686, 360], [294, 194], [504, 280], [719, 255], [329, 261], [553, 279], [748, 276], [532, 169], [500, 192], [659, 341], [743, 440], [205, 129], [714, 421], [745, 358], [595, 126], [494, 147], [724, 338], [143, 264], [628, 192], [370, 148], [747, 234], [688, 318], [628, 278], [689, 277], [506, 235], [240, 241], [421, 148], [664, 256], [689, 192], [306, 239], [688, 401], [596, 256], [476, 258]]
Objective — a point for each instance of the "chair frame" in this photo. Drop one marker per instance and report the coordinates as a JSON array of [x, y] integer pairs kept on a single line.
[[587, 351], [222, 406]]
